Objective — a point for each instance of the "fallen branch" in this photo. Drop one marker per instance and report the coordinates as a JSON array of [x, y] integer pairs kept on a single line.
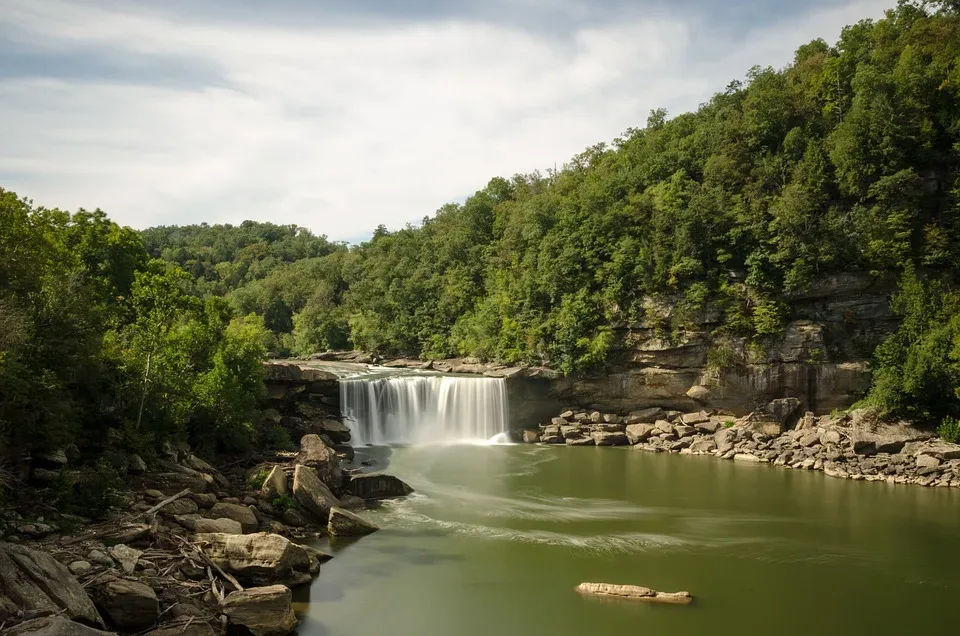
[[634, 593], [168, 500]]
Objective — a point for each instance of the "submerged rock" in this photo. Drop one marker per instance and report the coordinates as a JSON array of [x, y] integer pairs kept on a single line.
[[377, 486], [263, 611], [346, 524]]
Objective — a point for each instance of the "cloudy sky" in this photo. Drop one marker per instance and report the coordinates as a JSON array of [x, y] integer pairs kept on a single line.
[[339, 115]]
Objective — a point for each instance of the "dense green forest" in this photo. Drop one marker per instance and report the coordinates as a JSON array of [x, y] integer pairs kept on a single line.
[[846, 160]]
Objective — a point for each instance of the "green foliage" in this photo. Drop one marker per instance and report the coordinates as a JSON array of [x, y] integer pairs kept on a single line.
[[917, 369], [845, 160], [256, 479], [94, 494], [275, 437], [949, 430], [729, 423], [284, 502]]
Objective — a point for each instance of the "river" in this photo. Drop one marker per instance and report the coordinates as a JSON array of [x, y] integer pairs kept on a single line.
[[497, 537]]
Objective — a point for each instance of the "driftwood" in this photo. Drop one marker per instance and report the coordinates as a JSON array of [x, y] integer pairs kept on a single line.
[[171, 499], [634, 592]]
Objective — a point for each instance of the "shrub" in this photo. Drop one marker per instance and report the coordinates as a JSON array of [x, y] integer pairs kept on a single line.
[[949, 430], [284, 502]]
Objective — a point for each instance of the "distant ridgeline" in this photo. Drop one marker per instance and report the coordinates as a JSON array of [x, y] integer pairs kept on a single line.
[[773, 224]]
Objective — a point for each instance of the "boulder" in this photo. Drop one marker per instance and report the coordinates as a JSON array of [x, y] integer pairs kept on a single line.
[[34, 581], [663, 426], [530, 436], [98, 557], [571, 431], [869, 436], [258, 559], [218, 526], [204, 500], [747, 457], [830, 436], [338, 432], [188, 521], [608, 438], [726, 438], [377, 486], [315, 454], [558, 421], [692, 419], [646, 416], [239, 513], [810, 439], [684, 430], [927, 461], [312, 494], [136, 465], [275, 485], [782, 409], [936, 448], [126, 557], [581, 441], [703, 446], [637, 433], [129, 606], [346, 524], [293, 517], [54, 626], [79, 567], [262, 611], [711, 426]]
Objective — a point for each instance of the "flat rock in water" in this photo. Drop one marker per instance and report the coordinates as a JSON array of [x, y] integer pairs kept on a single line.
[[377, 486], [34, 581], [346, 524], [634, 592]]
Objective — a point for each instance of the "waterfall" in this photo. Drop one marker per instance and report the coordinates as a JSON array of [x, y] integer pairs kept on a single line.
[[416, 409]]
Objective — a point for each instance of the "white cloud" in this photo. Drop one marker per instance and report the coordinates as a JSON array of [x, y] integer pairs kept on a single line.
[[341, 128]]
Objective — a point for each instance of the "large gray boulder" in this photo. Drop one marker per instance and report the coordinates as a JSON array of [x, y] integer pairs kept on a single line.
[[726, 438], [241, 514], [129, 606], [377, 486], [607, 438], [870, 436], [34, 581], [317, 455], [783, 408], [259, 559], [346, 524], [637, 433], [312, 494], [54, 626], [263, 611], [338, 432]]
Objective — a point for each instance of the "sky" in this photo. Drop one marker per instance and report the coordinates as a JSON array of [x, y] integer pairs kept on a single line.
[[341, 115]]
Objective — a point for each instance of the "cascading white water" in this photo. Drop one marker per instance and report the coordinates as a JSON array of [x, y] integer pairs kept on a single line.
[[416, 409]]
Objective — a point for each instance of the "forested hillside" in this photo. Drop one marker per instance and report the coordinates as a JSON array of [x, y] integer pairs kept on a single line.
[[846, 160]]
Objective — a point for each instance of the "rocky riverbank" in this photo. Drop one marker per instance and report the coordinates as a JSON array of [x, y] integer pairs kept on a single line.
[[190, 550], [849, 445]]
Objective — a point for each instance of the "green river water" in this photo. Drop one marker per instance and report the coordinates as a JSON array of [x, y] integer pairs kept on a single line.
[[497, 537]]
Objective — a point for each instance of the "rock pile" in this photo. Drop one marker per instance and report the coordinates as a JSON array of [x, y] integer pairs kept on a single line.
[[855, 445]]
